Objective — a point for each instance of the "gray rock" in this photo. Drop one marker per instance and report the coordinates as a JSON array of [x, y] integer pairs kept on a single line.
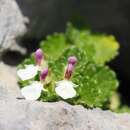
[[8, 82], [29, 115], [12, 24]]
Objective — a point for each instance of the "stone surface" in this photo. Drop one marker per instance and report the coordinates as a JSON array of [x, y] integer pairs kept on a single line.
[[8, 82], [29, 115], [12, 24]]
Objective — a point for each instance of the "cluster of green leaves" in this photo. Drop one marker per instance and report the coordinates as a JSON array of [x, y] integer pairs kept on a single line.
[[96, 81], [99, 48]]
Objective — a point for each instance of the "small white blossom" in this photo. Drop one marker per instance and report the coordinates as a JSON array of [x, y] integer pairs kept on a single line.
[[32, 91], [29, 72], [65, 89]]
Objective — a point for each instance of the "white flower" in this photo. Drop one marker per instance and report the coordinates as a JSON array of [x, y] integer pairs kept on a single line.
[[32, 91], [65, 89], [29, 72]]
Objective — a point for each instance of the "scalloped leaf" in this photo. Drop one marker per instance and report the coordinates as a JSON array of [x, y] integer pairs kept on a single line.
[[54, 45], [99, 48], [96, 84], [58, 66], [106, 48]]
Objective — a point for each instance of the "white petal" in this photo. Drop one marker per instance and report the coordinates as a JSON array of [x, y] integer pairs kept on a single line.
[[32, 91], [66, 83], [29, 72], [65, 89]]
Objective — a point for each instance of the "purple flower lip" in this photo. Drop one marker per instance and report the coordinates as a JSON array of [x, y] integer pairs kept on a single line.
[[72, 60], [38, 56], [43, 74]]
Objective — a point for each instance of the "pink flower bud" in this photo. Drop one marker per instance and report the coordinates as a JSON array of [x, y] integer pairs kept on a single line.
[[69, 71], [70, 68], [38, 56], [72, 60], [44, 74]]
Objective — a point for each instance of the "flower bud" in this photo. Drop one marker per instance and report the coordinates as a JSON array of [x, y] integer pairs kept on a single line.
[[69, 71], [70, 68], [44, 74], [38, 56], [72, 60]]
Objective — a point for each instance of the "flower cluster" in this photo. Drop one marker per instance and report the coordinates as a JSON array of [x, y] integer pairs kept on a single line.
[[32, 91], [65, 88]]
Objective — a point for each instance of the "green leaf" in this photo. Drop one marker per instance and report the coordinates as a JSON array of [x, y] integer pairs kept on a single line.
[[123, 109], [99, 48], [49, 95], [54, 45], [115, 101], [106, 47], [27, 61], [58, 66], [96, 84], [72, 34], [23, 83]]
